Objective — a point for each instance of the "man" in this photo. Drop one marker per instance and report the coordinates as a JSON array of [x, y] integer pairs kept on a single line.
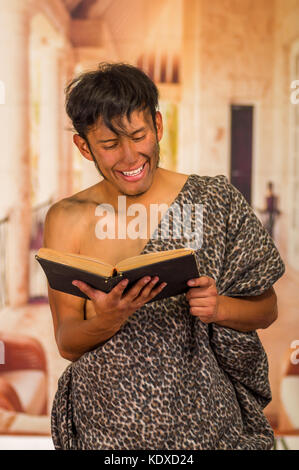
[[271, 209], [145, 375]]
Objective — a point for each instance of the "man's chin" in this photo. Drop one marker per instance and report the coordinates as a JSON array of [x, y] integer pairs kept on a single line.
[[139, 187], [135, 194]]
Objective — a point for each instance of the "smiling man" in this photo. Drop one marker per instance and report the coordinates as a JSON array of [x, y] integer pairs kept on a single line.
[[127, 155], [186, 372]]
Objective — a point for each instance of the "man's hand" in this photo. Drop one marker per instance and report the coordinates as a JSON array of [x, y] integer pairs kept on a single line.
[[203, 298], [116, 307], [245, 313]]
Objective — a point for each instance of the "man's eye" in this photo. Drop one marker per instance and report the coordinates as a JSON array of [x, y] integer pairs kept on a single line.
[[136, 139], [113, 146]]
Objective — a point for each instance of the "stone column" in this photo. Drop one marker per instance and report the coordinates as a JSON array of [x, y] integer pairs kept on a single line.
[[66, 66], [189, 151], [14, 161], [49, 123]]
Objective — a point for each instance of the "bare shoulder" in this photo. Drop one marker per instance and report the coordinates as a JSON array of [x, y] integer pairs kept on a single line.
[[57, 229], [174, 179], [65, 221]]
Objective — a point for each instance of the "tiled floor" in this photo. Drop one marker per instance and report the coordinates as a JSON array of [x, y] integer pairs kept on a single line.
[[277, 339], [288, 443], [45, 443], [25, 443]]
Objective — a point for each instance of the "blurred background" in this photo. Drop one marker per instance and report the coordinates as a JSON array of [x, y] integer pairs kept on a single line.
[[226, 72]]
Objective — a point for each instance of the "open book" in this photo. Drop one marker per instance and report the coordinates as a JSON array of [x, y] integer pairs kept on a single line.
[[175, 267]]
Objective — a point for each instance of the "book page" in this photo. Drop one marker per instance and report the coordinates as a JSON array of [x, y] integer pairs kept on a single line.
[[92, 265], [150, 258]]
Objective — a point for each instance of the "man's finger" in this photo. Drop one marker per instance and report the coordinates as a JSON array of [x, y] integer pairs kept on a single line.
[[202, 302], [203, 281], [147, 289], [158, 289], [136, 288], [118, 290], [85, 288], [201, 292]]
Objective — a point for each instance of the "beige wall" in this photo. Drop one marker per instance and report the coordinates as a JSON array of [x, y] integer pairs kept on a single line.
[[234, 65], [239, 53], [286, 34]]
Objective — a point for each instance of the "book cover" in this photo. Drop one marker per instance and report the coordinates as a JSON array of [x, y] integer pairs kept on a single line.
[[176, 272]]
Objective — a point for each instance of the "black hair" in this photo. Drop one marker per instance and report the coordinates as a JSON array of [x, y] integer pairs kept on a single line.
[[112, 91]]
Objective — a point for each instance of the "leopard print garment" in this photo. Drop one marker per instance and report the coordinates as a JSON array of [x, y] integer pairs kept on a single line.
[[166, 380]]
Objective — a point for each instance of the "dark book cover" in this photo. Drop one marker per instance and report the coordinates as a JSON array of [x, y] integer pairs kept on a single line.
[[176, 272]]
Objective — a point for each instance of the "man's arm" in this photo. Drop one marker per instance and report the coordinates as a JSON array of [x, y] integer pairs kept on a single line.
[[248, 313], [239, 313], [74, 335]]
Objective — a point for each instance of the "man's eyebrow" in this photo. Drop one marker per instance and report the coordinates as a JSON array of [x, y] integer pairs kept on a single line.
[[113, 139], [141, 129], [107, 140]]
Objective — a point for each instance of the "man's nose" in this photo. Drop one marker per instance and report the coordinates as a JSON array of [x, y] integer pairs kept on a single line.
[[128, 150]]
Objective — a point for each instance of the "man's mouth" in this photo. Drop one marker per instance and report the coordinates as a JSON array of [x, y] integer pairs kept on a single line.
[[133, 172], [133, 175]]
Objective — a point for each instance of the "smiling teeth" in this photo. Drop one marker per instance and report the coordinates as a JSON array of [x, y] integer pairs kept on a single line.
[[133, 173]]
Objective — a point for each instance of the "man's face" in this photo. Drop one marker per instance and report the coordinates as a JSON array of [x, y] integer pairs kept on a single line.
[[127, 160]]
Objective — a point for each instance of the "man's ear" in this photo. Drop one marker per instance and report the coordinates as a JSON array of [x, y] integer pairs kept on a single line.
[[159, 125], [82, 146]]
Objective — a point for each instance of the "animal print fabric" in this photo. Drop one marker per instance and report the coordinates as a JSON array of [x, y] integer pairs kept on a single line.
[[167, 380]]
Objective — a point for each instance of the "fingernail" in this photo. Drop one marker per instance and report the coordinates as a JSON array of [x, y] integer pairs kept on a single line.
[[147, 279], [191, 283], [124, 282], [75, 283], [163, 285]]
